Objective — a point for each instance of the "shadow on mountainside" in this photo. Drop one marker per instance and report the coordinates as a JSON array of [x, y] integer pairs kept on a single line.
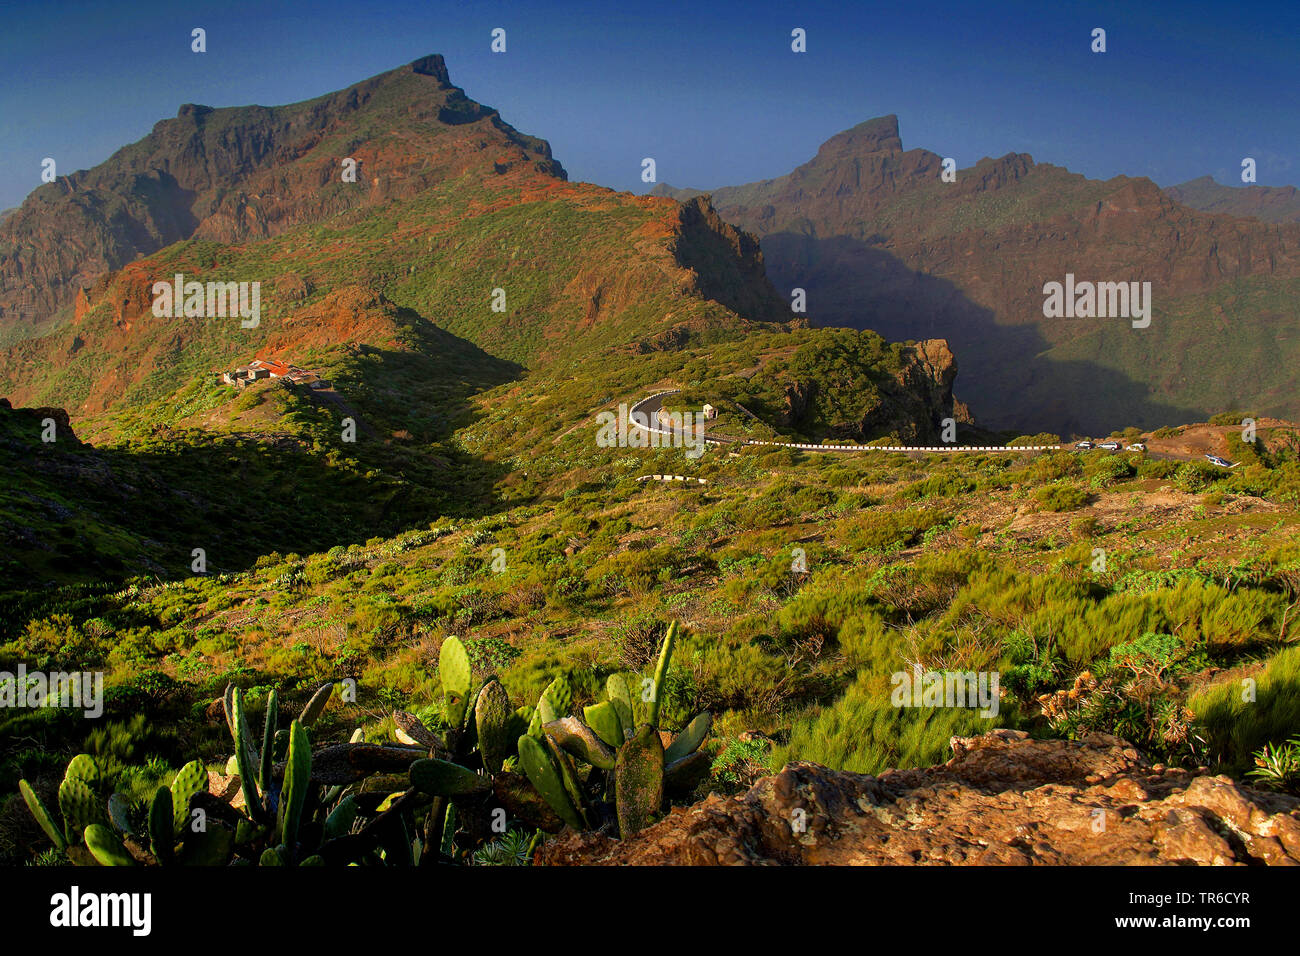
[[74, 513], [1004, 374]]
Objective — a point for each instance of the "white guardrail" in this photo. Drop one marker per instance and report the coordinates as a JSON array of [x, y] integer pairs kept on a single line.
[[823, 447], [698, 481]]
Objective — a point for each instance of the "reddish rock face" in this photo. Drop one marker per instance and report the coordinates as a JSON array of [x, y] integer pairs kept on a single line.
[[241, 173], [1003, 799]]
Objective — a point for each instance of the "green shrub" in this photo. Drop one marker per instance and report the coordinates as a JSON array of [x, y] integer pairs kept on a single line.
[[1061, 498], [1238, 719], [1110, 470]]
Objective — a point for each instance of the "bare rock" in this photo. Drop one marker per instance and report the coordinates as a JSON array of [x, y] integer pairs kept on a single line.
[[1002, 799]]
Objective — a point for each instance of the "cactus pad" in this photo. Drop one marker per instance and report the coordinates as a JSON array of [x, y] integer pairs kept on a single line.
[[639, 781], [107, 847], [441, 778], [689, 740], [190, 779], [493, 716], [545, 778], [455, 671]]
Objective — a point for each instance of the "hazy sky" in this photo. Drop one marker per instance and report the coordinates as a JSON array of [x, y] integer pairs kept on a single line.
[[711, 90]]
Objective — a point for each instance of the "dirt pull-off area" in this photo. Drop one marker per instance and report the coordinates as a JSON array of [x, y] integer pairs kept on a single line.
[[1197, 441]]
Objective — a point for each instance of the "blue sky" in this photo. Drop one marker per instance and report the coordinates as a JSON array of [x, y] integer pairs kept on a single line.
[[711, 90]]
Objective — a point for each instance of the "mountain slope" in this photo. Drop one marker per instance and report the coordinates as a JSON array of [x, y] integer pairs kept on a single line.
[[455, 218], [241, 173], [390, 296], [1269, 203], [879, 241]]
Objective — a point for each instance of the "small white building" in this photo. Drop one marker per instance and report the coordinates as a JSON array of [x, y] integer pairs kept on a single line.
[[710, 411]]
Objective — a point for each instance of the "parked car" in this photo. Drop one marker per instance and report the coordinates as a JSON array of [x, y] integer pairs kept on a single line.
[[1083, 444], [1137, 446], [1221, 462], [1112, 445]]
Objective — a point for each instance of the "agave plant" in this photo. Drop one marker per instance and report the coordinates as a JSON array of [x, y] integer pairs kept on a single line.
[[1277, 767]]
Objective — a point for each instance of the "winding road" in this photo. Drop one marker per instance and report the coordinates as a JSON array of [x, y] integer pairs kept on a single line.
[[650, 408]]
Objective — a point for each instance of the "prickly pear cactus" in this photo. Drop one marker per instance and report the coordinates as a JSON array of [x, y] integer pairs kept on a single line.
[[191, 779], [164, 825], [616, 689], [80, 808], [409, 729], [82, 767], [492, 715], [545, 778], [455, 671], [689, 740], [119, 814], [620, 698], [556, 701], [244, 757], [316, 706], [569, 777], [213, 846], [639, 781], [297, 780], [441, 778], [107, 847], [581, 741], [521, 721], [604, 720], [268, 740], [271, 856], [657, 690], [341, 818], [42, 815]]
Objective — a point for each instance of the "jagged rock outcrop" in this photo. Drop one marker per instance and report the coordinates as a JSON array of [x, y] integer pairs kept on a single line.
[[727, 262], [909, 402], [924, 396], [1002, 799], [33, 420]]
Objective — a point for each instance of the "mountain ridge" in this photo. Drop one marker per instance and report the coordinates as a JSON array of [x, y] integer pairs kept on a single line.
[[1278, 204], [237, 173]]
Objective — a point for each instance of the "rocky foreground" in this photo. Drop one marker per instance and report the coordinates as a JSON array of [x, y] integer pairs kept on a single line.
[[1002, 799]]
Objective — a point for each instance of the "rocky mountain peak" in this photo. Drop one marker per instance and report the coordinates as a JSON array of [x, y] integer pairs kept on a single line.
[[879, 135], [432, 65]]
